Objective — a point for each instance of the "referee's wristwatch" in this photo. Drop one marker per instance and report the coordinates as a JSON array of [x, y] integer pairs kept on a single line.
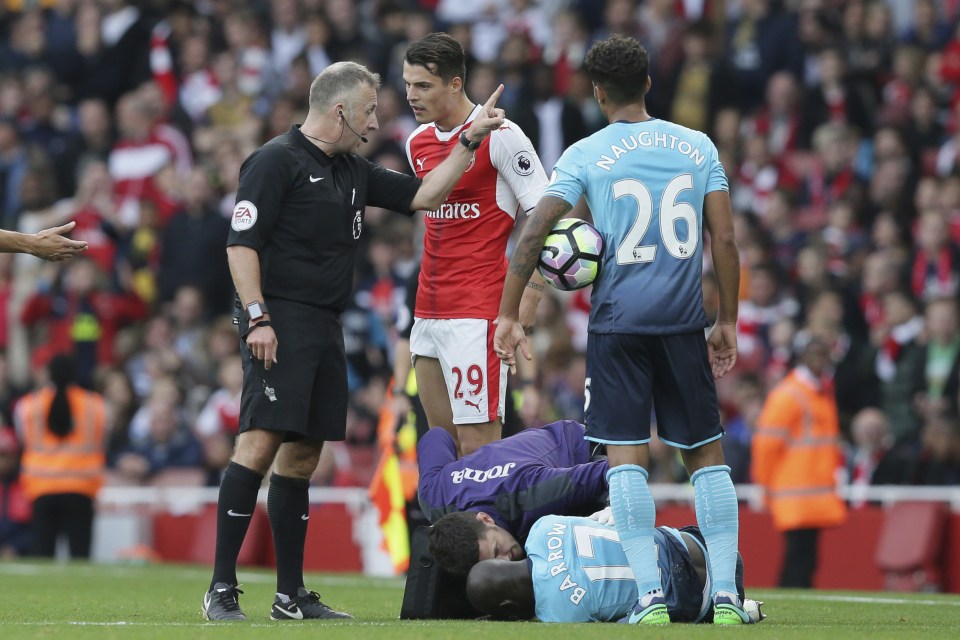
[[256, 310]]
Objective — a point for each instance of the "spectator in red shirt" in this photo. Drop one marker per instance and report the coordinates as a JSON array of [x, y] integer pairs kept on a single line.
[[831, 176], [935, 268], [81, 316], [143, 150], [779, 116]]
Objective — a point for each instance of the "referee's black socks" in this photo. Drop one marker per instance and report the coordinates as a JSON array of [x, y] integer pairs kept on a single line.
[[288, 506], [235, 506]]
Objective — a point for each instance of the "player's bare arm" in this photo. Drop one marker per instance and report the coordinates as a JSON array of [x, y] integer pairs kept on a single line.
[[438, 184], [722, 341], [510, 331], [49, 244], [531, 300], [245, 270]]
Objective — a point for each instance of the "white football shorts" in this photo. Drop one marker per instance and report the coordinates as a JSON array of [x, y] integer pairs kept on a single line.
[[476, 378]]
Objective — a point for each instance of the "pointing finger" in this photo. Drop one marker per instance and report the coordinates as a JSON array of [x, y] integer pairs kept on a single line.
[[491, 103]]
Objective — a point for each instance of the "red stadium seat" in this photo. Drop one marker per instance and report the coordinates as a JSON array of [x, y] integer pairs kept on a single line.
[[911, 545], [192, 538]]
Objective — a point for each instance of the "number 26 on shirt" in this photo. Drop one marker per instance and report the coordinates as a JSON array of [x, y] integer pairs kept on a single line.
[[630, 250]]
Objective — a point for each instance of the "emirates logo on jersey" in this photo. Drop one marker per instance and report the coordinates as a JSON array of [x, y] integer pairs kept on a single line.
[[456, 210]]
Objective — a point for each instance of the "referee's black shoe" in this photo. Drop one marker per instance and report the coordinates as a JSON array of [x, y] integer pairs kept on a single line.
[[306, 606], [223, 603]]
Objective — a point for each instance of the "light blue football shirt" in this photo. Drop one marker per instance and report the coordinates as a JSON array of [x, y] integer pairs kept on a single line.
[[581, 574], [645, 184]]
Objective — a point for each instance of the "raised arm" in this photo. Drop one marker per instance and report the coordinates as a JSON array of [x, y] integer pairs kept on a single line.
[[438, 184]]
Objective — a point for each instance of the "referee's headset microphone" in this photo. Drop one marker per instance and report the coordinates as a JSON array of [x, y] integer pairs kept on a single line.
[[363, 138]]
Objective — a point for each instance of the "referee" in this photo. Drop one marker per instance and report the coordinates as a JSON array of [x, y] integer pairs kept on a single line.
[[292, 245]]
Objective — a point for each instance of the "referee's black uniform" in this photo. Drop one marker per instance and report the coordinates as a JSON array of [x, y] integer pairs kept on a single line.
[[302, 211]]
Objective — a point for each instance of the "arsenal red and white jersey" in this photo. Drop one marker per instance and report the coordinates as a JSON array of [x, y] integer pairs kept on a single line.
[[464, 249]]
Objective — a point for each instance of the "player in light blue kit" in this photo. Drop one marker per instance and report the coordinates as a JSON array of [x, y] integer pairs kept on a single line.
[[576, 571], [652, 186]]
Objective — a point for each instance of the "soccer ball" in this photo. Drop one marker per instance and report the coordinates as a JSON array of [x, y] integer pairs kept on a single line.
[[571, 255]]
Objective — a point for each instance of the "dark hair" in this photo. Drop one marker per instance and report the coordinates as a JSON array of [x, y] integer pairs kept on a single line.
[[455, 541], [62, 373], [439, 54], [620, 65], [499, 589]]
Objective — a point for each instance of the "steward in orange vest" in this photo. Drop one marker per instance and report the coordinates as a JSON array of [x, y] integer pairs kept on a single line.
[[63, 429], [795, 457], [70, 464]]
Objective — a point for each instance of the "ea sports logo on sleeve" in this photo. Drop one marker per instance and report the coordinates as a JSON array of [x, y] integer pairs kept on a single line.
[[244, 216], [523, 162]]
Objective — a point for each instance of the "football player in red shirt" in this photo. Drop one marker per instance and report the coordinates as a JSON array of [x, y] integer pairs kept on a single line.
[[461, 382]]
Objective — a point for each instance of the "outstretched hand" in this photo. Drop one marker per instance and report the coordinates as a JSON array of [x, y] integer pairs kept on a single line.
[[489, 118], [50, 244], [722, 348]]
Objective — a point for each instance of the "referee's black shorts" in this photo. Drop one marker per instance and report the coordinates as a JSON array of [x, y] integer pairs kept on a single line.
[[305, 392]]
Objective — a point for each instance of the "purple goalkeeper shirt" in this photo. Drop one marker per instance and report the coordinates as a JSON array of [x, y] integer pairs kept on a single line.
[[517, 480]]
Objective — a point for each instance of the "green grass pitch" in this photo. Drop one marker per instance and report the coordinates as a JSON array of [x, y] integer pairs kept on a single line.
[[57, 601]]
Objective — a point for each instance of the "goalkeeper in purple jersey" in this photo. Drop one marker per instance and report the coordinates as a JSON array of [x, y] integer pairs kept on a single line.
[[481, 505]]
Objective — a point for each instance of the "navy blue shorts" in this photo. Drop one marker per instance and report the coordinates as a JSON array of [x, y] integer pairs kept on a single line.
[[688, 598], [628, 376], [305, 392], [686, 595]]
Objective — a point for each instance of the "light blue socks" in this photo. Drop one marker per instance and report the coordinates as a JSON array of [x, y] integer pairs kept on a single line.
[[635, 515], [718, 517]]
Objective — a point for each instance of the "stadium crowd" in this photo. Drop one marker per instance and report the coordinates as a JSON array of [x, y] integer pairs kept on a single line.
[[838, 123]]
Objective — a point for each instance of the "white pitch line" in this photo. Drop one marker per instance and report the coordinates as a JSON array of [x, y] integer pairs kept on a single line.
[[207, 624], [857, 599], [82, 623], [26, 569]]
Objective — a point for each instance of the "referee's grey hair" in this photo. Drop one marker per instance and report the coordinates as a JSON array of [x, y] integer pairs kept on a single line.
[[337, 82]]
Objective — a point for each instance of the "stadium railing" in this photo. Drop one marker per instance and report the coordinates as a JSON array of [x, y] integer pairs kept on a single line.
[[177, 524]]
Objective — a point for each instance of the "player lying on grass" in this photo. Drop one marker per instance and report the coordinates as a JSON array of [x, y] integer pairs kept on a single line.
[[576, 571], [493, 496]]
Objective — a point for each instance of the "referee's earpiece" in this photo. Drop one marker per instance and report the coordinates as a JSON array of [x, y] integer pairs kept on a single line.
[[362, 137]]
